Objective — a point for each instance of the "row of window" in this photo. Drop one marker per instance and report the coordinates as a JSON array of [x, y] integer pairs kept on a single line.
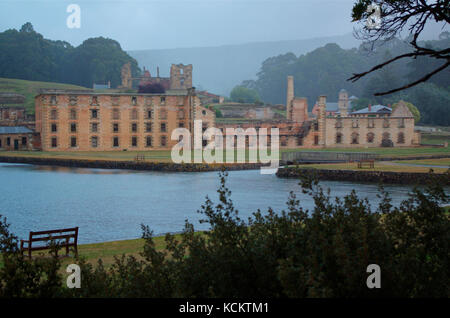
[[371, 123], [95, 114], [94, 141], [8, 141], [115, 100], [115, 127], [370, 137]]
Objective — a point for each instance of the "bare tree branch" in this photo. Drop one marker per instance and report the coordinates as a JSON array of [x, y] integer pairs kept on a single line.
[[396, 15], [421, 80]]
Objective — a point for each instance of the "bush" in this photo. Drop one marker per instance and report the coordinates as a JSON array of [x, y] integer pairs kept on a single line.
[[296, 253], [387, 143]]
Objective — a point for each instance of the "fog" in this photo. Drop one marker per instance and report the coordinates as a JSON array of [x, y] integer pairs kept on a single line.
[[162, 24]]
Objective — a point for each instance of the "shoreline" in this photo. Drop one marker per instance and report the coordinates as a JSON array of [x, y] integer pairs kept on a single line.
[[391, 177], [129, 165]]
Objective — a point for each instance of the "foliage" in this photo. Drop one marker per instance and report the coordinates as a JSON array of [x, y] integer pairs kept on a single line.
[[413, 109], [321, 72], [433, 103], [27, 55], [394, 16], [296, 253], [241, 94], [387, 143], [155, 88]]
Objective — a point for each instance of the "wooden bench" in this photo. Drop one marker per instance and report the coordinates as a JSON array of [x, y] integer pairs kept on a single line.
[[62, 237], [139, 158], [370, 163]]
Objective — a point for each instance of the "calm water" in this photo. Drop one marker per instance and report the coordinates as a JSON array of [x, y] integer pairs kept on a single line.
[[111, 204]]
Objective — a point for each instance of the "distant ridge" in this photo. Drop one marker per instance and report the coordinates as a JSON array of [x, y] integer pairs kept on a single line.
[[219, 68]]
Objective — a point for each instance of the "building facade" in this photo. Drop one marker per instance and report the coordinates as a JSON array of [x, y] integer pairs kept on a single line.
[[15, 138], [80, 121]]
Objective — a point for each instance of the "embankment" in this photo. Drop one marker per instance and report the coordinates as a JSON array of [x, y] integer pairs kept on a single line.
[[129, 165], [364, 176]]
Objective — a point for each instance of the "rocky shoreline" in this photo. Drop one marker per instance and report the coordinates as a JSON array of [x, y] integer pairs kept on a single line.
[[129, 165], [391, 177]]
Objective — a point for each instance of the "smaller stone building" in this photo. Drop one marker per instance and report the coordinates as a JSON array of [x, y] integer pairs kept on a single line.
[[16, 138]]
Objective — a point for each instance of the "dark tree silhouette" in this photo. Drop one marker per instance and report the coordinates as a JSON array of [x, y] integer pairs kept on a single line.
[[155, 88], [396, 15]]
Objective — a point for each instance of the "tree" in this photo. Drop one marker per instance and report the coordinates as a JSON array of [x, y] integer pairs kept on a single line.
[[395, 16], [155, 88], [27, 28], [413, 109], [241, 94]]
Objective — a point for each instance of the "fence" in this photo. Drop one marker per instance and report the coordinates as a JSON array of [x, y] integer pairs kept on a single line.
[[322, 156]]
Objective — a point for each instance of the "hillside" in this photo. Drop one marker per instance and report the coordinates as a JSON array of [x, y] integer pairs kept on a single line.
[[219, 69], [30, 89]]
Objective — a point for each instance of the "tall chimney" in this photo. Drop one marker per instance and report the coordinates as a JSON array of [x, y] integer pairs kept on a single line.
[[370, 107], [289, 96], [157, 71]]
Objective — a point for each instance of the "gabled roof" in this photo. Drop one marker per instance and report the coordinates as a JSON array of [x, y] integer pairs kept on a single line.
[[401, 110], [14, 130]]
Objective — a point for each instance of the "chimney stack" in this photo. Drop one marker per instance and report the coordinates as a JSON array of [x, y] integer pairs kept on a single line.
[[157, 71], [370, 107], [289, 96]]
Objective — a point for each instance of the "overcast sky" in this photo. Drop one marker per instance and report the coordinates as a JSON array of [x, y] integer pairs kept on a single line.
[[148, 24]]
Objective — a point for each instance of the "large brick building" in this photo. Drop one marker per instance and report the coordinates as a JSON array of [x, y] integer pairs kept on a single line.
[[80, 121]]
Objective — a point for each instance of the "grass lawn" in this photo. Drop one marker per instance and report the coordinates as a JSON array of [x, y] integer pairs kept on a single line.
[[30, 89], [107, 250], [386, 152], [436, 162], [379, 166], [435, 138], [165, 155]]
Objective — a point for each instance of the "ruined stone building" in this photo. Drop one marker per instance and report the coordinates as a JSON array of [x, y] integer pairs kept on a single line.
[[335, 125], [332, 125], [86, 121], [13, 111], [180, 77]]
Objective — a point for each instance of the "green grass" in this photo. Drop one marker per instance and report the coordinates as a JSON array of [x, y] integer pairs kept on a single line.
[[108, 250], [30, 89], [165, 155], [435, 138], [437, 162], [386, 152], [379, 166]]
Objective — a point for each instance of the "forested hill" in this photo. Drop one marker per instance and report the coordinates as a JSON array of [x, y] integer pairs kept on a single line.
[[25, 54], [218, 69], [325, 71]]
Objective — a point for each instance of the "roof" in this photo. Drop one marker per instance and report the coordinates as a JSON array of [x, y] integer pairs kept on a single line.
[[15, 130], [332, 107], [101, 86], [375, 109], [401, 110], [11, 98], [169, 92]]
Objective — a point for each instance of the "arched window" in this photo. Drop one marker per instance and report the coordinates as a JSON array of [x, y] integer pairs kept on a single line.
[[370, 137], [355, 138], [386, 136], [401, 138], [338, 138]]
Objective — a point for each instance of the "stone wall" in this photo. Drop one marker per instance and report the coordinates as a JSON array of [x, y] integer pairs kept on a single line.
[[364, 176], [129, 165]]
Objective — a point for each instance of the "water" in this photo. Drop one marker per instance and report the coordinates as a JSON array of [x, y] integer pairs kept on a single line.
[[110, 205]]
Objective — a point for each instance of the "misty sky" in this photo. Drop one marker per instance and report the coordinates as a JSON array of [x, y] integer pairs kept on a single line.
[[148, 24]]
